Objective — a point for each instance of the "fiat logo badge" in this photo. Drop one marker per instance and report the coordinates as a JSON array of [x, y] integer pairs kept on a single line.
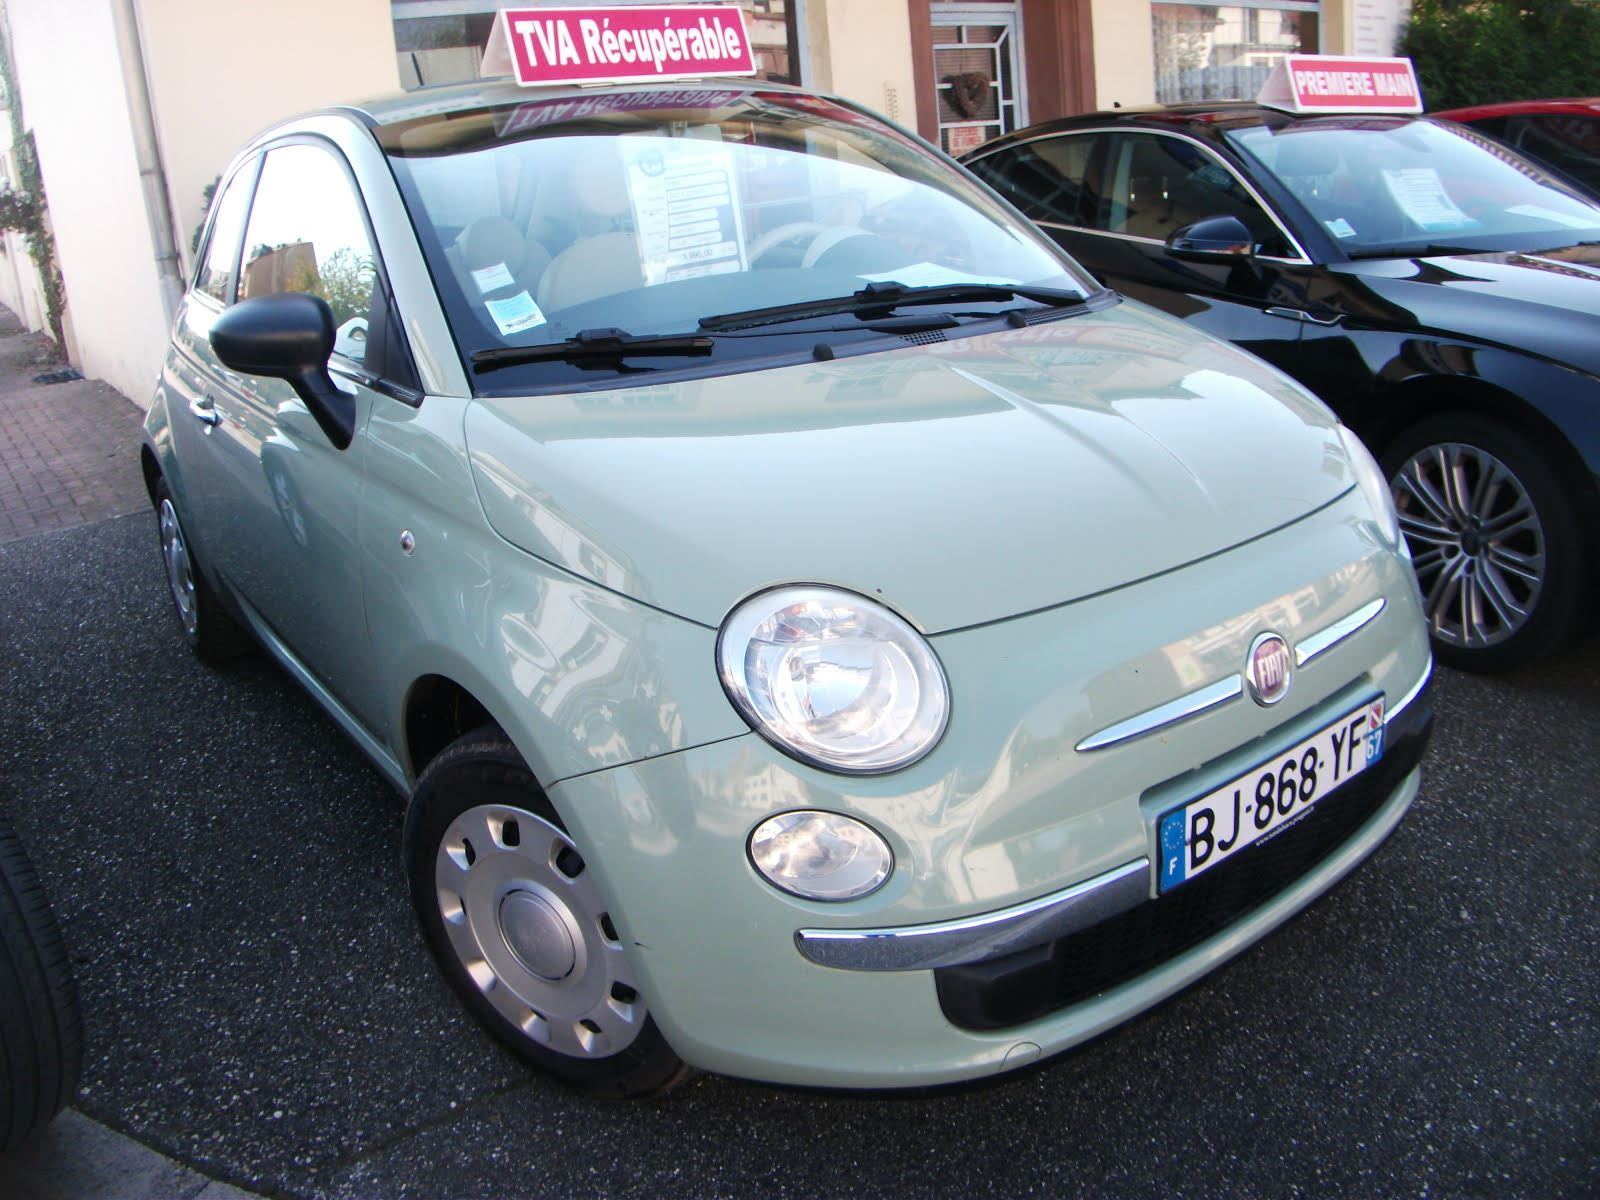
[[1268, 669]]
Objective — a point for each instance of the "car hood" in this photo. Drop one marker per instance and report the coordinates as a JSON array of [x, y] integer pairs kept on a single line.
[[1545, 303], [961, 482]]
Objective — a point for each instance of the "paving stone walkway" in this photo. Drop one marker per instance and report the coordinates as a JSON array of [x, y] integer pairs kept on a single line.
[[69, 452]]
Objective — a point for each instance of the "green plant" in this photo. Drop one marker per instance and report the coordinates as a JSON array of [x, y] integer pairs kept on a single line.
[[24, 209], [1482, 51]]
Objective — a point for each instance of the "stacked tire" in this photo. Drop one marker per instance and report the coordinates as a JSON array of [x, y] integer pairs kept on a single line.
[[41, 1028]]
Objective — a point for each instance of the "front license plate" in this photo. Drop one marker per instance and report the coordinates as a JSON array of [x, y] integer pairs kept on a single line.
[[1217, 826]]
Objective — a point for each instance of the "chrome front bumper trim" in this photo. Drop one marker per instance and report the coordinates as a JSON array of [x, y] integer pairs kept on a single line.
[[990, 935], [1224, 690]]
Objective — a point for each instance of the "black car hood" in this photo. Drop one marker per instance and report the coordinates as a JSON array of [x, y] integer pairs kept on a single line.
[[1545, 302]]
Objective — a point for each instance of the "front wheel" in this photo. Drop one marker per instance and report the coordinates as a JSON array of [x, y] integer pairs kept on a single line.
[[1494, 538], [211, 633], [516, 921]]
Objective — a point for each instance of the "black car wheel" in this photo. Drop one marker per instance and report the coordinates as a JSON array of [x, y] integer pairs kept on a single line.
[[516, 922], [1494, 538], [41, 1028], [210, 632]]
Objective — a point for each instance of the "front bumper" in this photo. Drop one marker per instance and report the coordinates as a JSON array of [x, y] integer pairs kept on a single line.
[[1010, 817]]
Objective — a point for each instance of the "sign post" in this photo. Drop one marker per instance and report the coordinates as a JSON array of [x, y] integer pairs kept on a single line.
[[557, 46], [1326, 83]]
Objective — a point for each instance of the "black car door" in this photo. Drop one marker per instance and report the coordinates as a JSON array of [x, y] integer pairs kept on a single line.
[[1112, 198]]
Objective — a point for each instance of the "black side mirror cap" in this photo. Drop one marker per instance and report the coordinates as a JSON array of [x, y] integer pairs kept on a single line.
[[289, 336], [1214, 239]]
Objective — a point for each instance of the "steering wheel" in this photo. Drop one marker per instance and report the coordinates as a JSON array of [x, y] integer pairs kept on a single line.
[[773, 238]]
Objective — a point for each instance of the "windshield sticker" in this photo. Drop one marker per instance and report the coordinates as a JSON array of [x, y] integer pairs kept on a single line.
[[1340, 228], [492, 279], [1540, 213], [1421, 196], [516, 314], [684, 196], [927, 274]]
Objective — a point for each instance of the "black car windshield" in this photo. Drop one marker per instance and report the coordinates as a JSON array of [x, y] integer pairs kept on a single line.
[[1385, 186], [644, 211]]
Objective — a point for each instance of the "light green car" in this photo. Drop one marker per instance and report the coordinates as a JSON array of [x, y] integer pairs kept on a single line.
[[823, 637]]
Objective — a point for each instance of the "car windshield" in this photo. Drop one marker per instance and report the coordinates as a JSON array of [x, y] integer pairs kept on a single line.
[[1382, 186], [638, 213]]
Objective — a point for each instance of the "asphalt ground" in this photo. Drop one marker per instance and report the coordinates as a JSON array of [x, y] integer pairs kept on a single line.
[[225, 868]]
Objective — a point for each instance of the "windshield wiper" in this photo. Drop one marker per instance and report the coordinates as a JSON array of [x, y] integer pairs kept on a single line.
[[593, 347], [889, 295], [1419, 250]]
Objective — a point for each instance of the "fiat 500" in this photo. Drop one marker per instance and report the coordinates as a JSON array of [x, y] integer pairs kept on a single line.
[[821, 635]]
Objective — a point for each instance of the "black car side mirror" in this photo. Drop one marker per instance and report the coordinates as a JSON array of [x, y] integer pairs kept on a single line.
[[288, 336], [1213, 240]]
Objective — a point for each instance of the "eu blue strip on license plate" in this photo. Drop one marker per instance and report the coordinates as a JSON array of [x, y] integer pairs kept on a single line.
[[1199, 835]]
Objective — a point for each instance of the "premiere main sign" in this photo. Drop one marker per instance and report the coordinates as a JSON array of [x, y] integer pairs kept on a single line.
[[551, 46], [1326, 83]]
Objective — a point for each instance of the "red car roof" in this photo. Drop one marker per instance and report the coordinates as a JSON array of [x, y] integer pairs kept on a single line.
[[1512, 108]]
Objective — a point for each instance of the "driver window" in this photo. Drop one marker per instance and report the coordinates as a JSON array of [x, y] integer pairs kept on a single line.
[[1160, 184], [306, 234]]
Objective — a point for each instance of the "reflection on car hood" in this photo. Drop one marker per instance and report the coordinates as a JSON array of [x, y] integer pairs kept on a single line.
[[1546, 302], [961, 482]]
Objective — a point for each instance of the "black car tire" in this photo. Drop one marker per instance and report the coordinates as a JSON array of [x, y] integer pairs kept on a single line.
[[479, 780], [212, 634], [1549, 612], [41, 1027]]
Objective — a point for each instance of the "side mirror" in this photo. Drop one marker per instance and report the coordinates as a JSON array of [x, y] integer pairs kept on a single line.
[[288, 336], [1213, 240]]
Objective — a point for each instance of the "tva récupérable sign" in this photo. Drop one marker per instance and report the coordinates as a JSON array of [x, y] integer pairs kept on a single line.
[[604, 45]]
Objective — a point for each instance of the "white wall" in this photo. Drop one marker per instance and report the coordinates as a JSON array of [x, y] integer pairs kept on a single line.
[[222, 70], [862, 50], [70, 78], [1124, 56]]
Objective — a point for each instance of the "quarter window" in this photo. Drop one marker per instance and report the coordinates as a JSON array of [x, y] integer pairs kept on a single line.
[[1047, 179], [222, 251], [306, 234], [1160, 184]]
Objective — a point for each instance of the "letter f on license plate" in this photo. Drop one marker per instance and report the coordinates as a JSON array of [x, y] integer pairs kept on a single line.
[[1205, 832]]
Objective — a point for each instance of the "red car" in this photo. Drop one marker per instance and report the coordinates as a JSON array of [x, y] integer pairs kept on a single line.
[[1564, 134]]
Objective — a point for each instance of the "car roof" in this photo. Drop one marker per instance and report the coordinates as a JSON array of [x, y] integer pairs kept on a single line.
[[443, 99], [1589, 107]]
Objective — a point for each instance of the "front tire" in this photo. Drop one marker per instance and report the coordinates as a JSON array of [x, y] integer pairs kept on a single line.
[[210, 632], [41, 1027], [517, 924], [1494, 538]]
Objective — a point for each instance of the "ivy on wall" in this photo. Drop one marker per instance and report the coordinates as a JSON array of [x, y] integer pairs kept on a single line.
[[23, 210], [1482, 51]]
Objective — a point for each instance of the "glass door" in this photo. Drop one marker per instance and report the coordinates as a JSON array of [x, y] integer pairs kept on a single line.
[[976, 73]]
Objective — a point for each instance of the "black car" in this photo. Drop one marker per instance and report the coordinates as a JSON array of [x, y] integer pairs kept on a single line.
[[1440, 292]]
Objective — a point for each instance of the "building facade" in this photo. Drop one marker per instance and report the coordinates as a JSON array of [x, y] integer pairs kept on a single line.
[[136, 105]]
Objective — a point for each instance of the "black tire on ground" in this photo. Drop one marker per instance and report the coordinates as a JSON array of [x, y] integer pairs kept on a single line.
[[212, 634], [482, 773], [1522, 620], [41, 1028]]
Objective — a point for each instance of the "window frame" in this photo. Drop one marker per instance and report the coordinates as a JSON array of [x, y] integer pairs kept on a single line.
[[1300, 259], [252, 164], [392, 371]]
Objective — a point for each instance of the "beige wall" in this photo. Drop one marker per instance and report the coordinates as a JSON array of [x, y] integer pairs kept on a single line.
[[69, 75], [1124, 60], [221, 70], [861, 49]]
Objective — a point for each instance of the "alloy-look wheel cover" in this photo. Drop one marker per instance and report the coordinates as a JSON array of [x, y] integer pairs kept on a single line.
[[1476, 543], [180, 573], [525, 920]]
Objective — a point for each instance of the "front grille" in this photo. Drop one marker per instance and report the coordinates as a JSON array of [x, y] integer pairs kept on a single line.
[[1033, 983]]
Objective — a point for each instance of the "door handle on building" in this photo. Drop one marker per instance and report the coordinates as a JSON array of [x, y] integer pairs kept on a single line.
[[205, 408]]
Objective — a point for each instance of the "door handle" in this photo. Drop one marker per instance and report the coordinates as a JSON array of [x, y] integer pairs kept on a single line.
[[204, 409], [1300, 314]]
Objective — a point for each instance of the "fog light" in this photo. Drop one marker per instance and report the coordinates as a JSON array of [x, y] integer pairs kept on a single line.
[[820, 855]]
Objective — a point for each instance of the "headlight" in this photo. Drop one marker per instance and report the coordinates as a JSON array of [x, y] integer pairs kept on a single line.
[[820, 855], [1369, 477], [833, 679]]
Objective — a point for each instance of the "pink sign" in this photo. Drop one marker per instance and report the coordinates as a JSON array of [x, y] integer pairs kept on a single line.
[[543, 46], [1309, 83]]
